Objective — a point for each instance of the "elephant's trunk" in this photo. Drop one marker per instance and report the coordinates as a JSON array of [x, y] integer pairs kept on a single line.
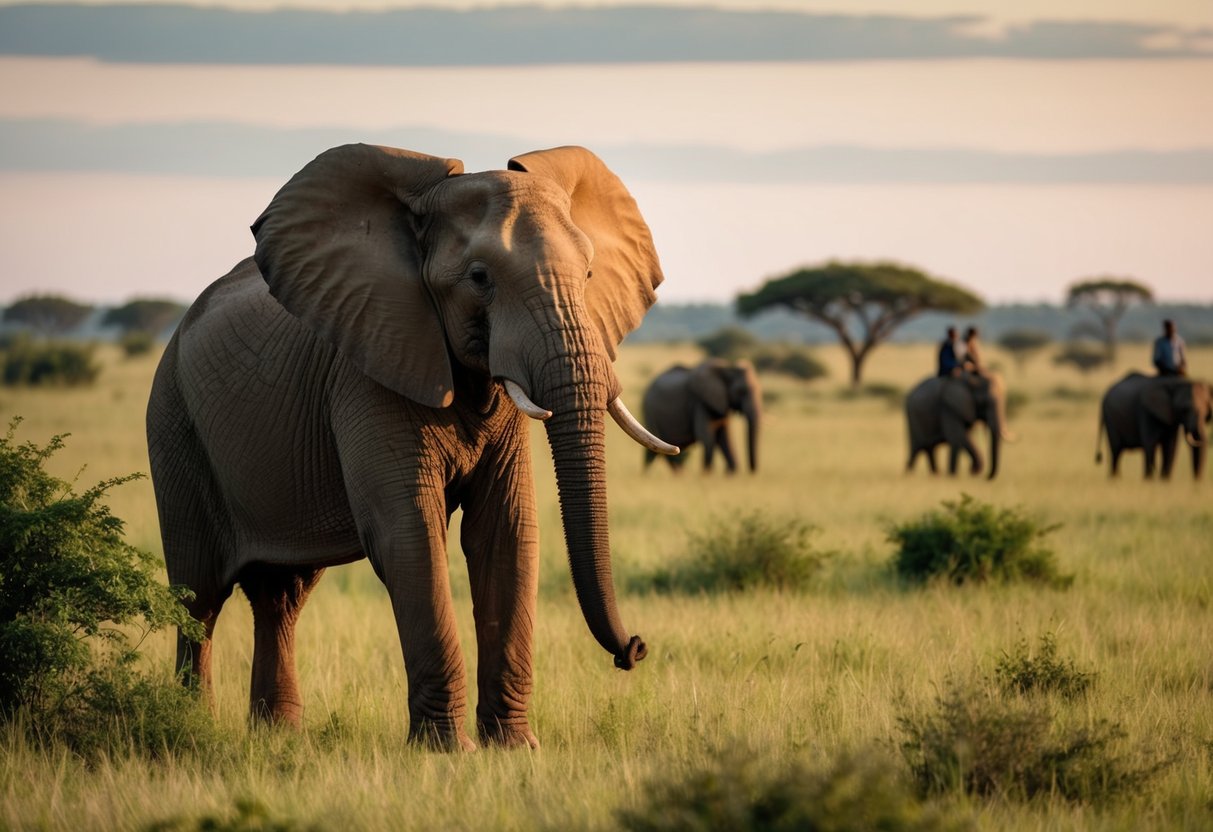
[[994, 423], [753, 414], [577, 391], [1200, 449]]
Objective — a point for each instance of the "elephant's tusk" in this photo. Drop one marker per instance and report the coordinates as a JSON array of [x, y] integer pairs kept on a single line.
[[524, 403], [623, 417]]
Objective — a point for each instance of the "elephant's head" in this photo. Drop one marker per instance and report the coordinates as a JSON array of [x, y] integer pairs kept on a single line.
[[721, 386], [423, 275], [981, 398], [1183, 403]]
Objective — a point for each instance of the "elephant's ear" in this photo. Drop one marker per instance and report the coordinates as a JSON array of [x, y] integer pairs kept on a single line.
[[709, 386], [338, 249], [960, 398], [625, 268], [1156, 399]]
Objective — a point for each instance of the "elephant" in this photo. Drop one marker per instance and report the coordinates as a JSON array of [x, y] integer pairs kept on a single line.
[[1147, 412], [943, 408], [685, 405], [366, 372]]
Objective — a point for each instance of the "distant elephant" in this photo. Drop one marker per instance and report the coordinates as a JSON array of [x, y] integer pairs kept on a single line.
[[1148, 412], [685, 405], [943, 408], [339, 395]]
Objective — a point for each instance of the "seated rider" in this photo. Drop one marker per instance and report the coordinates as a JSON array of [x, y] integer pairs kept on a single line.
[[972, 358], [1170, 352], [949, 359]]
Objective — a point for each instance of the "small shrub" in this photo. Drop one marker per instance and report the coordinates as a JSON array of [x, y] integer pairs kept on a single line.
[[974, 541], [731, 342], [740, 792], [1083, 356], [1022, 672], [69, 584], [987, 746], [1015, 402], [891, 393], [44, 363], [789, 360], [136, 343], [754, 552]]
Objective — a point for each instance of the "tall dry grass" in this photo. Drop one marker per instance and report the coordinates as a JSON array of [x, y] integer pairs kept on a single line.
[[778, 674]]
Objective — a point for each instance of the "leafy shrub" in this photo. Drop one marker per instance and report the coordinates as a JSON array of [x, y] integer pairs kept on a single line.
[[1023, 343], [136, 343], [69, 585], [1083, 356], [731, 342], [1015, 402], [789, 360], [1022, 672], [752, 552], [35, 363], [988, 746], [974, 541], [740, 792]]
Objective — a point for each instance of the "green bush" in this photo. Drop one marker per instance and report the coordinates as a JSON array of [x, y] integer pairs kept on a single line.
[[71, 589], [971, 541], [136, 343], [1022, 672], [740, 792], [731, 342], [36, 363], [752, 552], [984, 745], [789, 360]]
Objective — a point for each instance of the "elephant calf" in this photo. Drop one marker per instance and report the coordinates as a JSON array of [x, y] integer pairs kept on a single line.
[[1148, 412], [685, 405]]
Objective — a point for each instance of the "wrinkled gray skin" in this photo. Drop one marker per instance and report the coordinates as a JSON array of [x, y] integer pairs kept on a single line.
[[943, 409], [1149, 412], [685, 405], [338, 395]]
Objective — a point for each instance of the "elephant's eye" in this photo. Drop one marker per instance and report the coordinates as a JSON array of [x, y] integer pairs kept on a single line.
[[589, 273], [479, 276]]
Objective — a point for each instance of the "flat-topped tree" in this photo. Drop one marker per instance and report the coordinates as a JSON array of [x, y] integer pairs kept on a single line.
[[862, 302], [148, 315], [1109, 298], [48, 314]]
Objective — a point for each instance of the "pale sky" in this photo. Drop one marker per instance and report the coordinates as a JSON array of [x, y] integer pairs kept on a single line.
[[104, 235]]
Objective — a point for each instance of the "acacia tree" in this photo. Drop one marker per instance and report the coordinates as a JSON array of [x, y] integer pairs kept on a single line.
[[48, 314], [862, 302], [1024, 343], [147, 315], [1109, 298]]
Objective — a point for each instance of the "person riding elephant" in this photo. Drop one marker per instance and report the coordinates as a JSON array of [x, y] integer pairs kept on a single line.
[[943, 409], [340, 393], [1149, 412], [686, 405]]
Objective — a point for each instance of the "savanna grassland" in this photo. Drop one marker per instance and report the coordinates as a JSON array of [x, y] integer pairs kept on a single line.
[[762, 674]]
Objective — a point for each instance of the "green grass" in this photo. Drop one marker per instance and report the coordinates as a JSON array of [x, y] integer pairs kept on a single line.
[[816, 672]]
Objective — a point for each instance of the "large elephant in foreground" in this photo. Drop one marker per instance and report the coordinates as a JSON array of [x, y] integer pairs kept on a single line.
[[685, 405], [1149, 412], [342, 392], [943, 408]]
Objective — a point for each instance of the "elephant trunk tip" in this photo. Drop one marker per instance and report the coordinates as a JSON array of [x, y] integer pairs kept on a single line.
[[634, 652]]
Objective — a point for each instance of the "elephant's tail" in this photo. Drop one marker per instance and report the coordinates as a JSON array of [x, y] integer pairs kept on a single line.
[[1099, 440]]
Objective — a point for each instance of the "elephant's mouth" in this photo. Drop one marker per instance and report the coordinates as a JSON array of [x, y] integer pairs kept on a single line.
[[618, 410]]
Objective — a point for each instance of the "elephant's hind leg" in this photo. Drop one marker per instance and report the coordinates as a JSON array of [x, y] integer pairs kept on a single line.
[[277, 595]]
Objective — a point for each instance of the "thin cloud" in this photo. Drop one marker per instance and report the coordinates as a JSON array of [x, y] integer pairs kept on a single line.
[[522, 35]]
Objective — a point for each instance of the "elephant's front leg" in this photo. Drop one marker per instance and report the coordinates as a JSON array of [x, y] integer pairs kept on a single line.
[[408, 551], [500, 536]]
